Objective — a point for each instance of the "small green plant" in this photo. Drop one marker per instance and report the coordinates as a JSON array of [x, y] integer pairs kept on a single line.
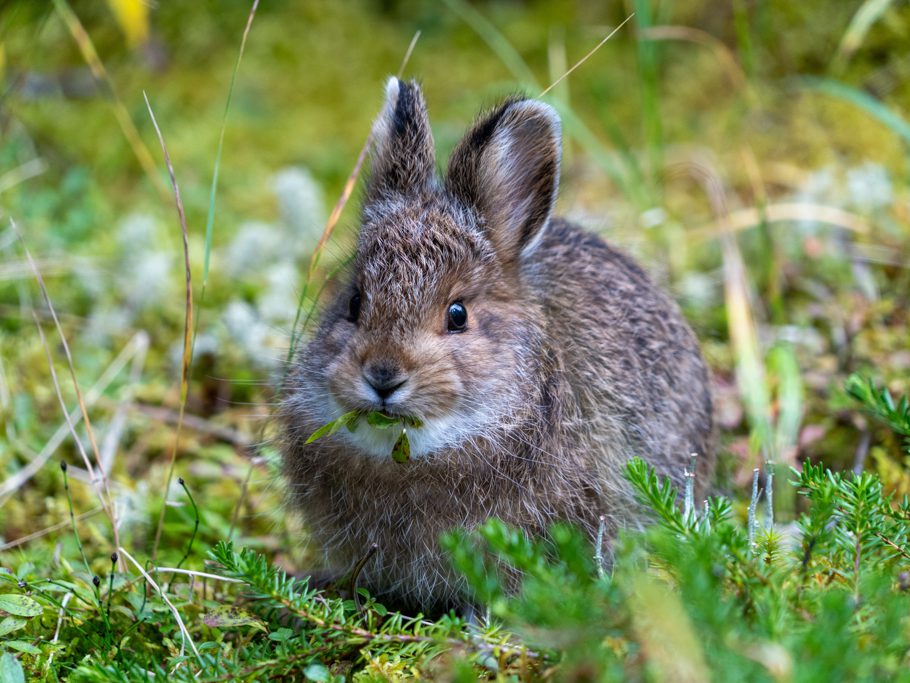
[[881, 404], [701, 597], [401, 451]]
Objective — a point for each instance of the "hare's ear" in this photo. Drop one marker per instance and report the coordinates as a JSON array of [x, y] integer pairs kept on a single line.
[[507, 167], [403, 156]]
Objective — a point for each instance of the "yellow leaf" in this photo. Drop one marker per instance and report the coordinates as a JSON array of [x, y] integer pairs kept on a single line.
[[133, 18]]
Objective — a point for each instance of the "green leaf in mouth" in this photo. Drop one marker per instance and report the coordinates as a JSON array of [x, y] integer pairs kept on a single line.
[[401, 451], [348, 420], [381, 420]]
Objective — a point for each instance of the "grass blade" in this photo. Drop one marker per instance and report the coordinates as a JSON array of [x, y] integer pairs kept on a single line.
[[106, 499], [187, 324], [875, 108], [496, 41], [867, 14], [210, 218], [90, 55]]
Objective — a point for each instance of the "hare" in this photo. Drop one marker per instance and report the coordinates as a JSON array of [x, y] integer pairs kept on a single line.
[[536, 358]]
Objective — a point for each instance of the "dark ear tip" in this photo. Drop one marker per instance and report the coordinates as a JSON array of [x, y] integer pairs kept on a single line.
[[395, 88]]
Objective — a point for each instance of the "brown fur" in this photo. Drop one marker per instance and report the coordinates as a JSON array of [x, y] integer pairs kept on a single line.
[[572, 361]]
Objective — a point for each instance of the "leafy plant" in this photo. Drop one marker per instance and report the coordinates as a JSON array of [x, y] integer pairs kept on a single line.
[[693, 598], [401, 450], [880, 403]]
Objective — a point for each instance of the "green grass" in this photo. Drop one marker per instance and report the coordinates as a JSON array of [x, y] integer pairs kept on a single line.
[[683, 122]]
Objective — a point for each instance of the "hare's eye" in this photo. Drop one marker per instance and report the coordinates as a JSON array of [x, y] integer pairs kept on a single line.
[[354, 307], [458, 317]]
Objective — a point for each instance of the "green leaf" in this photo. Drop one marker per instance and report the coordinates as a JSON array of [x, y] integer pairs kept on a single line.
[[20, 605], [317, 672], [861, 99], [10, 624], [352, 421], [324, 430], [401, 452], [11, 669], [281, 635], [230, 616], [381, 420], [22, 646], [328, 429]]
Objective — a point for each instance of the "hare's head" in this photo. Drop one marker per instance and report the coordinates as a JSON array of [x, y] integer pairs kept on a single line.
[[436, 321]]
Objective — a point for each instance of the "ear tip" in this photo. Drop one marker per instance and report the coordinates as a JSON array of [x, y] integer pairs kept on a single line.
[[542, 110], [392, 88]]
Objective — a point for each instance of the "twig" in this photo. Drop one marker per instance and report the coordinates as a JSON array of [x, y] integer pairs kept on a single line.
[[887, 541]]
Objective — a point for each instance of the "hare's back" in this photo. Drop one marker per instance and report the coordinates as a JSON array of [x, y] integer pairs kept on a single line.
[[627, 352]]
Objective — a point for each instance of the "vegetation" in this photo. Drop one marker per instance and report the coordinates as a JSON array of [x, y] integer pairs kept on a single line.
[[753, 155]]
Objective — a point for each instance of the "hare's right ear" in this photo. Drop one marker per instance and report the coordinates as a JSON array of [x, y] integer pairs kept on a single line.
[[403, 156], [507, 168]]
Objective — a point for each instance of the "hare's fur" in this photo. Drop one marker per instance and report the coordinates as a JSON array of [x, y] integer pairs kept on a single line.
[[572, 360]]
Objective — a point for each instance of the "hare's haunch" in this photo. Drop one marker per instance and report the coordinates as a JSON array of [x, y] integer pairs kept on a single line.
[[535, 358]]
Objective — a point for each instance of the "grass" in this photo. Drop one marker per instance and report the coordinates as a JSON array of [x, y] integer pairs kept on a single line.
[[762, 180]]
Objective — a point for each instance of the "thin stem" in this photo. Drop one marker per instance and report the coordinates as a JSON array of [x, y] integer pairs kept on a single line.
[[110, 583], [69, 502], [599, 548], [356, 573], [753, 504], [189, 546], [769, 495], [689, 501]]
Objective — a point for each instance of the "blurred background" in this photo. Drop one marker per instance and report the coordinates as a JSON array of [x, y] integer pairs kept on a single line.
[[753, 155]]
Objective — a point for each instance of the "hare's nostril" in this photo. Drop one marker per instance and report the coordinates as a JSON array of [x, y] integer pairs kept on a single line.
[[385, 391], [383, 378]]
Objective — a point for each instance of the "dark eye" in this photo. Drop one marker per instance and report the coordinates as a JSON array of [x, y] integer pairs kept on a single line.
[[458, 317], [354, 307]]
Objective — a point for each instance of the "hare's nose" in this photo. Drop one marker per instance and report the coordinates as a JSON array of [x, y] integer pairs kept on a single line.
[[384, 378]]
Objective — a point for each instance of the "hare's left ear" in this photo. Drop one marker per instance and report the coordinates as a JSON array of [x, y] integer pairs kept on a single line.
[[403, 158], [507, 168]]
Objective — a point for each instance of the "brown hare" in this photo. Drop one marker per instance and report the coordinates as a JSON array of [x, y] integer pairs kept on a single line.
[[536, 358]]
